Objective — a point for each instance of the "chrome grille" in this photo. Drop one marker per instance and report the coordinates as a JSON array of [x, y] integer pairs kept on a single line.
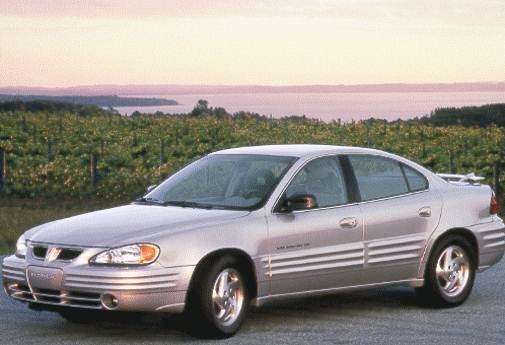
[[54, 297], [42, 252], [39, 252], [67, 254]]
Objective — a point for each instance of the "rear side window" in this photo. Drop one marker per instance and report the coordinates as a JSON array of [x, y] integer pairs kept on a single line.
[[378, 177], [415, 179]]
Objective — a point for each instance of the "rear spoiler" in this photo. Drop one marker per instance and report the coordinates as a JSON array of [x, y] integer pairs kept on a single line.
[[462, 179]]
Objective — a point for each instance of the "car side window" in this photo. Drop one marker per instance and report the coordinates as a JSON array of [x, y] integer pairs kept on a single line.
[[415, 179], [378, 177], [323, 178]]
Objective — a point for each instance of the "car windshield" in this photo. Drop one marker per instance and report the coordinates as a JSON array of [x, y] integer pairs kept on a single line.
[[226, 181]]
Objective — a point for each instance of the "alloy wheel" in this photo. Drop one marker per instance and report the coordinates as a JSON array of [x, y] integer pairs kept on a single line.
[[228, 296], [453, 270]]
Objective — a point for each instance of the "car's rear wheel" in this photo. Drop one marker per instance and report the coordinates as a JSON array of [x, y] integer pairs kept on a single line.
[[219, 300], [450, 273]]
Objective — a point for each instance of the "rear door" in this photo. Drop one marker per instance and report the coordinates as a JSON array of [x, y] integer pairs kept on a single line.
[[319, 248], [400, 211]]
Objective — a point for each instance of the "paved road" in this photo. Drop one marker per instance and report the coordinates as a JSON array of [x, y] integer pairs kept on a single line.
[[386, 316]]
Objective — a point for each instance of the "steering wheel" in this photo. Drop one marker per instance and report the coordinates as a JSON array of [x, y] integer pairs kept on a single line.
[[253, 193], [254, 188]]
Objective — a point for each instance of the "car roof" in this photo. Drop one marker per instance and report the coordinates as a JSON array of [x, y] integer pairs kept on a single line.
[[297, 150]]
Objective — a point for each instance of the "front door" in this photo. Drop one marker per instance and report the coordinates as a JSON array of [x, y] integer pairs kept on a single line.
[[317, 248]]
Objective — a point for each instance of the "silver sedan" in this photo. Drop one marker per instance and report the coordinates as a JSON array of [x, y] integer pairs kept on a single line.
[[258, 224]]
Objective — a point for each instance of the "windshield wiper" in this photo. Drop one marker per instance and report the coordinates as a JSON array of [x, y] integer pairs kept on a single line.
[[191, 204], [149, 200]]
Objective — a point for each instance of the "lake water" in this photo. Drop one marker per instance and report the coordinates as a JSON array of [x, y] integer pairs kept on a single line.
[[329, 106]]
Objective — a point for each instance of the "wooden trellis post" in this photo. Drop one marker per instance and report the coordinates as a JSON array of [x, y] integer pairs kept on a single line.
[[93, 170], [451, 162], [3, 169], [49, 150], [34, 133], [60, 126], [496, 179], [162, 151]]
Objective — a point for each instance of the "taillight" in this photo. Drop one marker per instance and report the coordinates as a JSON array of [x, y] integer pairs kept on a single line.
[[494, 207]]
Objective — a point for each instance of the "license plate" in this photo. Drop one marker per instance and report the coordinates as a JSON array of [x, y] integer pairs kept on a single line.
[[44, 277]]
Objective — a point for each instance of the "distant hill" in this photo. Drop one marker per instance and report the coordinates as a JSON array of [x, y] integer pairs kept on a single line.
[[482, 116], [54, 107], [170, 89], [472, 116], [101, 101]]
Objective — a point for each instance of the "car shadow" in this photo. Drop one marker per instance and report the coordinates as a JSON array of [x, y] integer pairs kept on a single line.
[[128, 326]]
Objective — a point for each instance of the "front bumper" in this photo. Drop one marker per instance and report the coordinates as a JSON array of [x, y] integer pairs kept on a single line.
[[146, 288]]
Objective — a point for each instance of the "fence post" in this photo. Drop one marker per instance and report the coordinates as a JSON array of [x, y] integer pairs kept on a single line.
[[23, 124], [3, 169], [49, 150], [162, 151], [177, 136], [496, 179], [93, 170], [34, 133], [451, 162], [60, 126], [423, 145]]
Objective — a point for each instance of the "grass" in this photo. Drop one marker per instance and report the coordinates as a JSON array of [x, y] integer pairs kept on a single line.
[[19, 215]]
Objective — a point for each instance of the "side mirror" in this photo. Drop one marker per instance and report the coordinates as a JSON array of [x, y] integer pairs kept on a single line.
[[299, 202], [151, 187]]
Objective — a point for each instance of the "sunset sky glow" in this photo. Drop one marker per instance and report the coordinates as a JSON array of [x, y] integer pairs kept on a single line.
[[65, 43]]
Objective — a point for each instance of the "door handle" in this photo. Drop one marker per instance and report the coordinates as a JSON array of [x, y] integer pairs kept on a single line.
[[349, 222], [425, 211]]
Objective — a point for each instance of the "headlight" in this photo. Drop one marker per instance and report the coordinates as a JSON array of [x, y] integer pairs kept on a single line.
[[135, 254], [21, 247]]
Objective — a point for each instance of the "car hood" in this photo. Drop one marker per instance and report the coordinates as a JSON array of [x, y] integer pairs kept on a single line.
[[127, 224]]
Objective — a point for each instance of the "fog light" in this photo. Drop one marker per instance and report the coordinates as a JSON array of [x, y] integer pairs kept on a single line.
[[109, 301]]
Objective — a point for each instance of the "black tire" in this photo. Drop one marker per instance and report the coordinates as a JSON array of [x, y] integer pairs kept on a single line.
[[432, 294], [200, 313]]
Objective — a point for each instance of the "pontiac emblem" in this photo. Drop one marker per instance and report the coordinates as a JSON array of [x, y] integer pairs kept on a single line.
[[38, 275], [52, 254]]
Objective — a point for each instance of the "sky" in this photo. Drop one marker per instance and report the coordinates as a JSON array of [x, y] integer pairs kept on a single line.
[[240, 42]]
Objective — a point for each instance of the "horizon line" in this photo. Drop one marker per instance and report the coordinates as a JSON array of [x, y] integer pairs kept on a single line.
[[252, 85], [187, 89]]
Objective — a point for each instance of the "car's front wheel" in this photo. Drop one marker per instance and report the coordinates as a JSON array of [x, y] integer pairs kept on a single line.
[[219, 300], [450, 273]]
